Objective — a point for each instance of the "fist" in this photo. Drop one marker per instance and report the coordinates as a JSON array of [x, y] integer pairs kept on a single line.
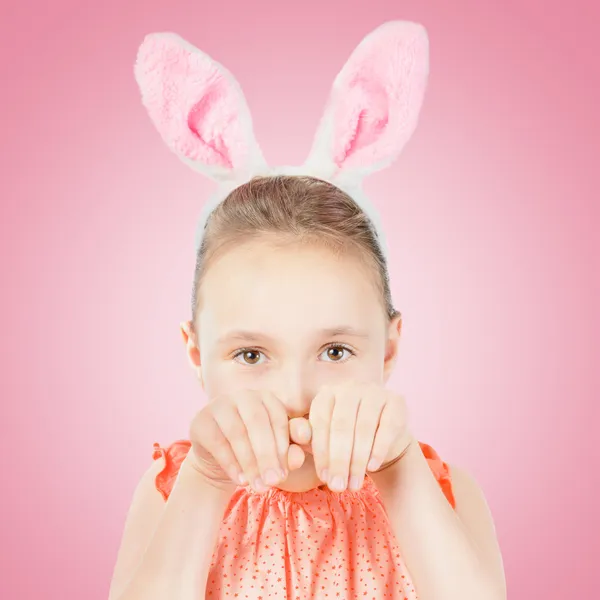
[[243, 438], [356, 428]]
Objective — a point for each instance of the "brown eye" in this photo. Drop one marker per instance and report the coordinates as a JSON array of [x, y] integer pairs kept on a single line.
[[335, 353], [338, 353], [251, 357]]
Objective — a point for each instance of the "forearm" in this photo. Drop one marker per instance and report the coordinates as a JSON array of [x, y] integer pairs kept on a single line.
[[441, 557], [176, 562]]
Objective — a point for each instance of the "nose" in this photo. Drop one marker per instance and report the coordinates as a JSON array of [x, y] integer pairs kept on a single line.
[[296, 393]]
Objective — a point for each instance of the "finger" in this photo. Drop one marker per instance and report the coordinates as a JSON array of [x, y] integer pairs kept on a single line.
[[262, 438], [205, 428], [295, 457], [389, 432], [367, 423], [300, 431], [341, 437], [231, 424], [321, 410], [279, 424]]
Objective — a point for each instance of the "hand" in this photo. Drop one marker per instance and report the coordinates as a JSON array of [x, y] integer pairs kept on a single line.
[[243, 438], [356, 428]]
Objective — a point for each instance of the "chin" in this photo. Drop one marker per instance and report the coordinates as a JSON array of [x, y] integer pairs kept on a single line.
[[303, 479]]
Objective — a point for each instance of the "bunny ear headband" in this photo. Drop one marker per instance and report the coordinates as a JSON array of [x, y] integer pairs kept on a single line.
[[201, 113]]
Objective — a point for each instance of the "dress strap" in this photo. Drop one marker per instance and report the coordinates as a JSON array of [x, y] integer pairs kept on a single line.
[[173, 455], [440, 470]]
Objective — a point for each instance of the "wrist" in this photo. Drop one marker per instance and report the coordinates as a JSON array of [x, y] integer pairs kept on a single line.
[[193, 475], [387, 475], [408, 443]]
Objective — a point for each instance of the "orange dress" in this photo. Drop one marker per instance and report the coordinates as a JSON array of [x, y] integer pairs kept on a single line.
[[319, 544]]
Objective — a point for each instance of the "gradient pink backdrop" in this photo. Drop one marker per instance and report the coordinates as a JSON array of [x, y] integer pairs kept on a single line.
[[492, 213]]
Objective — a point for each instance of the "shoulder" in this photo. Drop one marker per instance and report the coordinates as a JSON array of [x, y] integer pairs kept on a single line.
[[471, 504], [167, 462], [145, 510], [474, 513], [459, 486], [466, 487], [468, 500]]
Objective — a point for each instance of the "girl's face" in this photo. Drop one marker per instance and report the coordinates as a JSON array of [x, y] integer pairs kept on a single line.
[[290, 319]]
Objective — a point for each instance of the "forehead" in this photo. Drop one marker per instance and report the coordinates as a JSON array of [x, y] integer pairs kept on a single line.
[[294, 289]]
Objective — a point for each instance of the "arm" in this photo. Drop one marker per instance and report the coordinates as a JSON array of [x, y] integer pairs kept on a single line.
[[451, 554], [143, 516], [167, 555]]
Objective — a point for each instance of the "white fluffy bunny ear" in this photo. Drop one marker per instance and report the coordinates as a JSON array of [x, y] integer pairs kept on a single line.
[[198, 108], [374, 103]]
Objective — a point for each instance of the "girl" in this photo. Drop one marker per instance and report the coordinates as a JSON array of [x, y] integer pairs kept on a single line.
[[301, 477]]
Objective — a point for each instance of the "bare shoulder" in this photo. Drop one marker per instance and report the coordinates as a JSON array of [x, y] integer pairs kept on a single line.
[[466, 489], [147, 506], [474, 512]]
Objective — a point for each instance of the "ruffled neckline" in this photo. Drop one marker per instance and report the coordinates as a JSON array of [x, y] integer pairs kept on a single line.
[[321, 492]]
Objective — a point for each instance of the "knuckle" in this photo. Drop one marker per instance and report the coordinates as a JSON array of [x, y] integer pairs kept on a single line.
[[271, 397], [196, 425], [211, 436], [277, 414], [255, 417], [242, 397], [390, 428], [325, 389], [323, 398], [365, 429], [342, 424], [226, 457], [384, 435], [219, 448], [351, 385], [234, 430], [201, 423], [244, 455], [396, 402], [220, 400], [318, 421]]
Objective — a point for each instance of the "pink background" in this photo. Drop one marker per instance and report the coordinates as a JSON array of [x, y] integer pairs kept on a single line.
[[492, 213]]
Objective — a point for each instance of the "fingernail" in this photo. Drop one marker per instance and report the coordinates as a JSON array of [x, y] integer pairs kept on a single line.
[[242, 479], [324, 475], [270, 477], [354, 483], [373, 465], [338, 484]]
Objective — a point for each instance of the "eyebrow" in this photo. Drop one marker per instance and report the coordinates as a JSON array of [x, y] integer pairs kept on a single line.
[[255, 336]]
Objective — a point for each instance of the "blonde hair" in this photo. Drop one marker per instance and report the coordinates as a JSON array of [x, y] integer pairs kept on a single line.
[[296, 209]]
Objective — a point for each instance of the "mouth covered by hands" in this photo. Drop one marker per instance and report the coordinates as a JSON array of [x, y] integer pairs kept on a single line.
[[352, 429], [246, 438]]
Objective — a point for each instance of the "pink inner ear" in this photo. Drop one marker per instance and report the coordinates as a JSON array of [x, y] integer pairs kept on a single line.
[[361, 118], [199, 122], [377, 96], [193, 103]]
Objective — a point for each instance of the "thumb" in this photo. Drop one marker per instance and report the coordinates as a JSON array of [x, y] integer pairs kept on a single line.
[[300, 431], [296, 457]]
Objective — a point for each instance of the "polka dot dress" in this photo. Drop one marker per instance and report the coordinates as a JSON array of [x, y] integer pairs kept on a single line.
[[319, 544]]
